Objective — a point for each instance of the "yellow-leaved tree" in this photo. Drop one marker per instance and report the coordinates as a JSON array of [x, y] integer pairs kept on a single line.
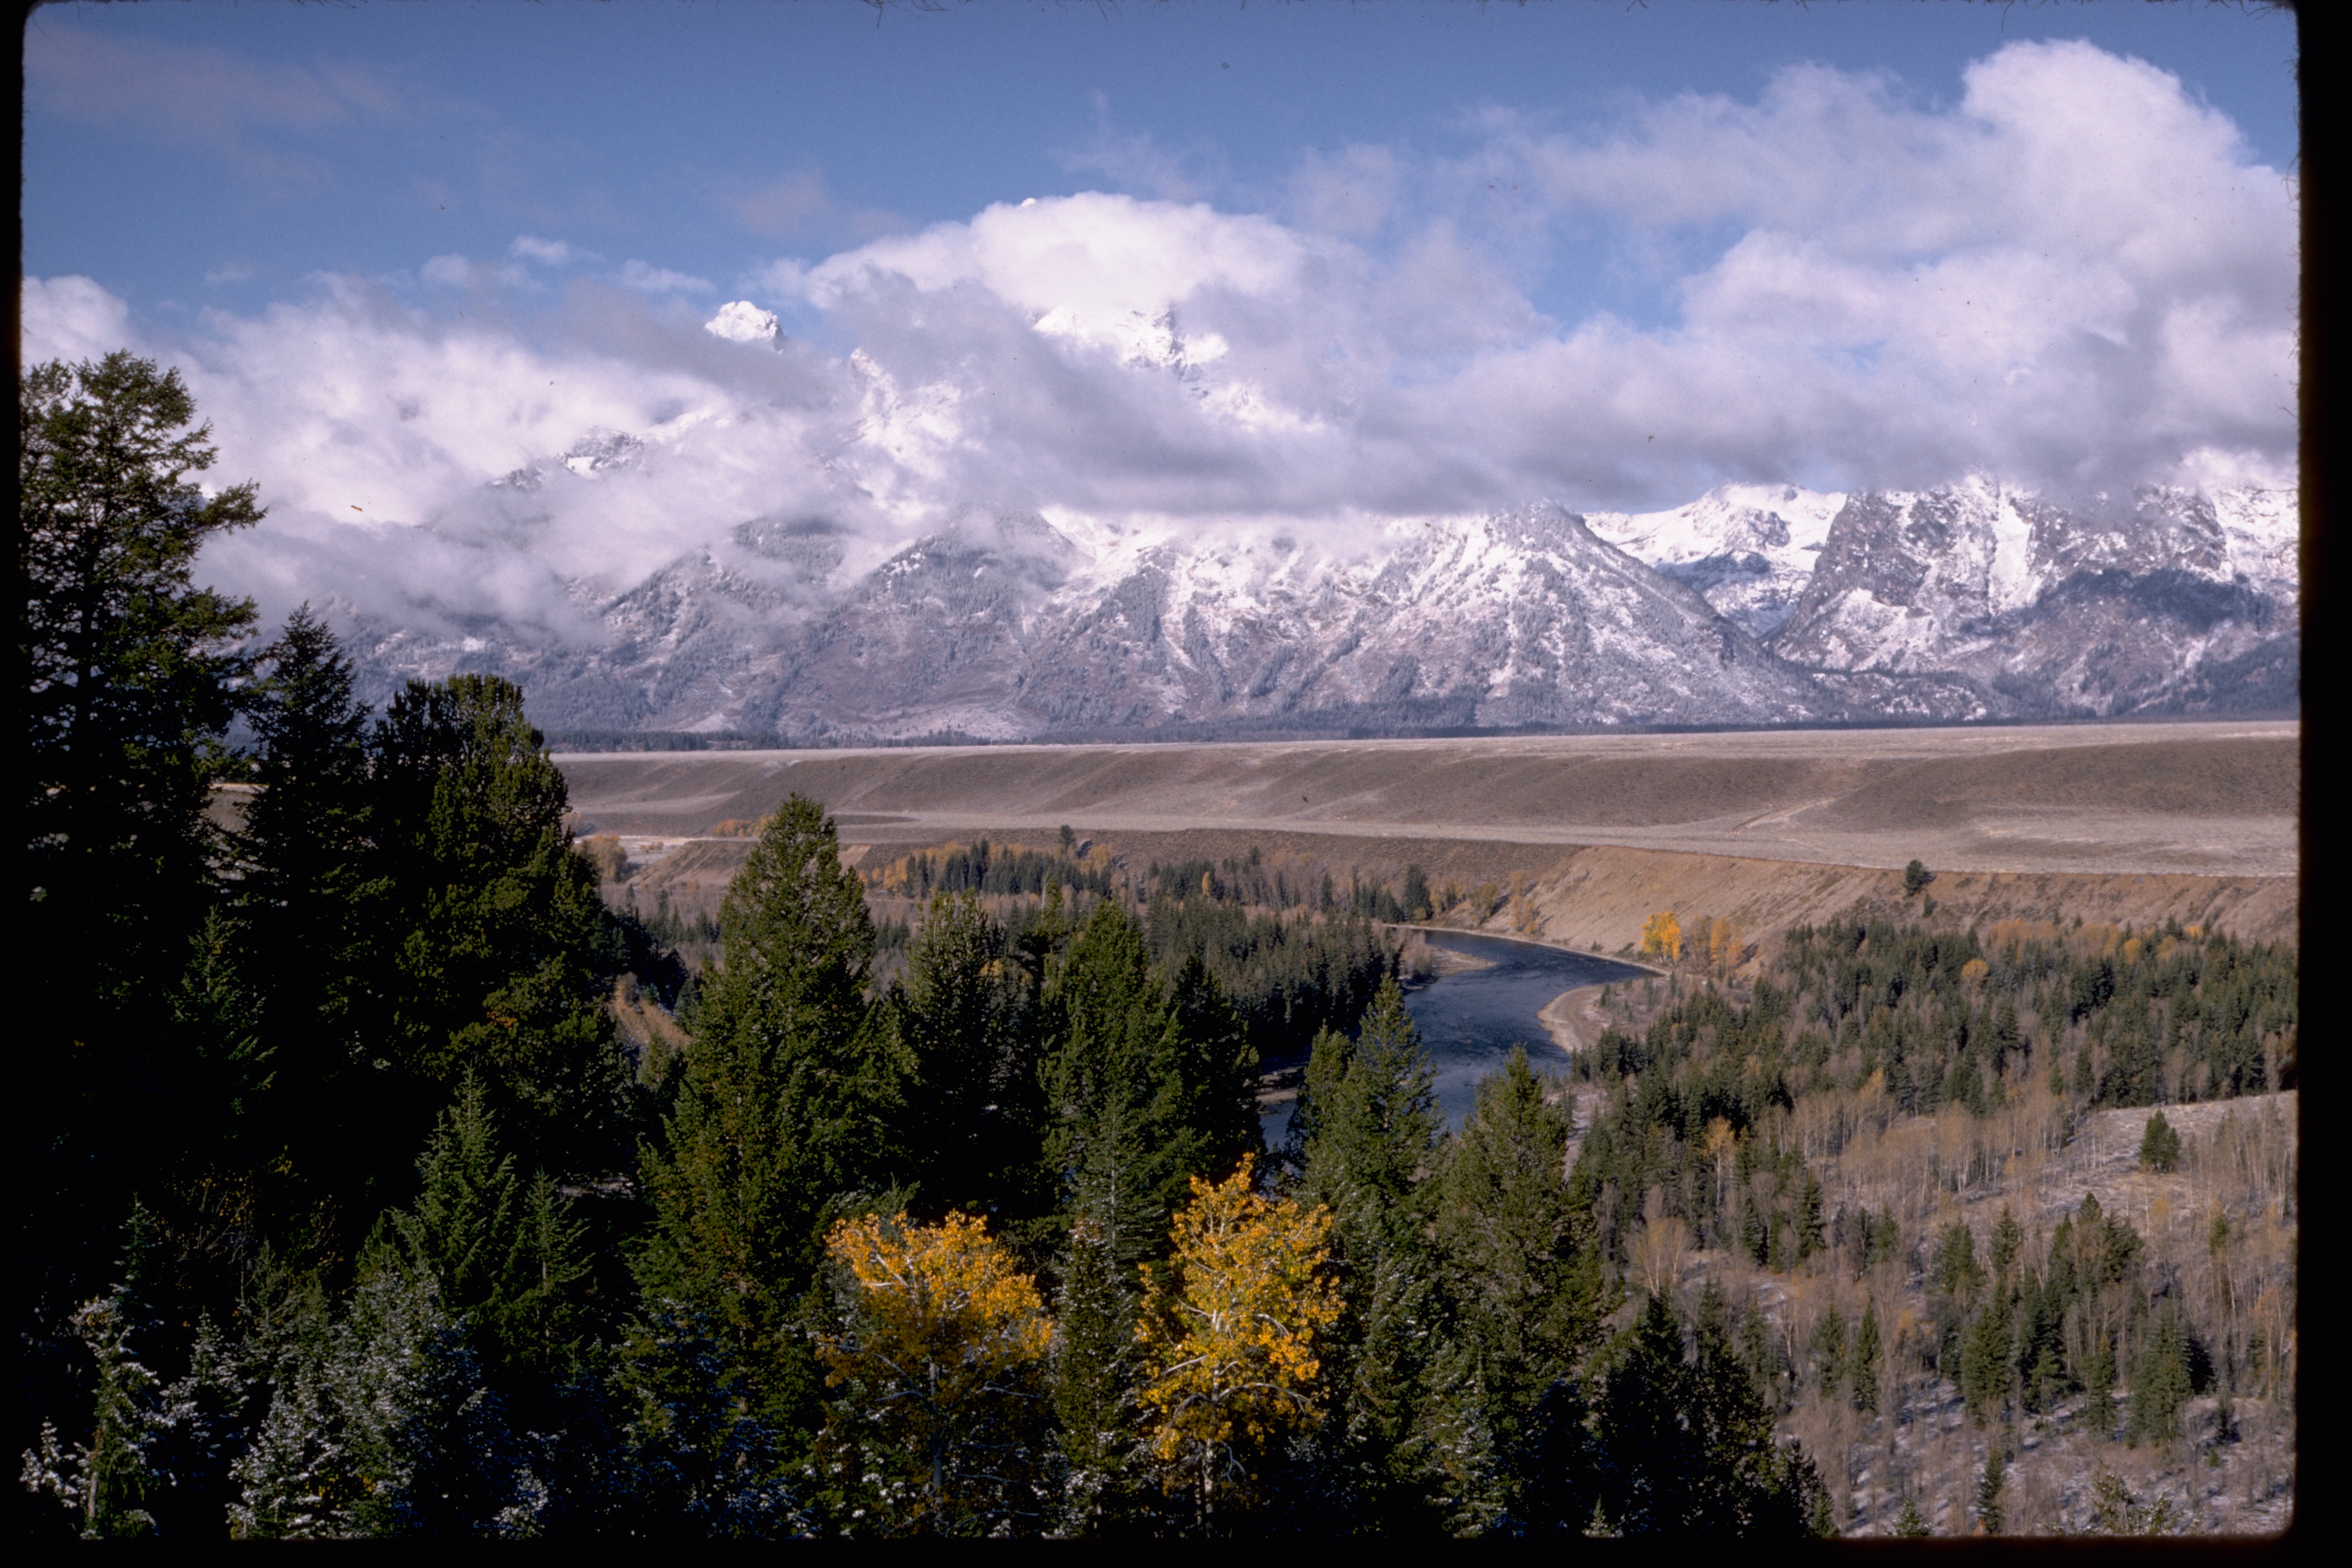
[[942, 1414], [1662, 937], [1231, 1342]]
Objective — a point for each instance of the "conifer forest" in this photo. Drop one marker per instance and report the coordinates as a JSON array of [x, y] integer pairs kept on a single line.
[[349, 1210]]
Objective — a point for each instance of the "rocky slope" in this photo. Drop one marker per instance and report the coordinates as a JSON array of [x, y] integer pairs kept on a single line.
[[1754, 606]]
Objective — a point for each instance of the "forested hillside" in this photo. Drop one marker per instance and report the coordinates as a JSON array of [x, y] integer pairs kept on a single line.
[[349, 1210]]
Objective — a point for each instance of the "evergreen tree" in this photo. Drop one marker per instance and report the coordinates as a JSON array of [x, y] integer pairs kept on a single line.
[[1115, 1089], [1367, 1133], [2160, 1384], [2159, 1145], [380, 1423], [1984, 1362], [696, 1457], [1990, 1514], [1095, 1362], [1525, 1290], [972, 1123], [2099, 1386], [306, 843], [1829, 1353], [782, 1118], [1217, 1068], [503, 1253], [495, 950], [126, 668], [1684, 1447], [1863, 1367]]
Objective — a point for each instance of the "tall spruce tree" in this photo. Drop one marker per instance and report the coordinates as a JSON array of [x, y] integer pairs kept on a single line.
[[503, 1252], [785, 1114], [1367, 1133], [973, 1108], [1523, 1281], [1115, 1140], [126, 668], [493, 948]]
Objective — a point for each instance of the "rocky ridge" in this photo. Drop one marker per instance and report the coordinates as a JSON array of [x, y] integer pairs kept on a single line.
[[1755, 605]]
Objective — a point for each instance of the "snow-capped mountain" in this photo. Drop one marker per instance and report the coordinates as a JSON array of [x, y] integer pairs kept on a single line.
[[1752, 605], [1980, 601], [1749, 549]]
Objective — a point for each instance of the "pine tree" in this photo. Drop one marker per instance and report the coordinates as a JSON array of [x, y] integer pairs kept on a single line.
[[2159, 1145], [1094, 1370], [1115, 1090], [495, 950], [1829, 1349], [782, 1118], [1525, 1291], [126, 670], [1990, 1515], [503, 1253], [1217, 1068], [970, 1126], [1367, 1133], [1863, 1367], [2160, 1381], [2099, 1386], [380, 1423], [696, 1457], [1984, 1362], [305, 844]]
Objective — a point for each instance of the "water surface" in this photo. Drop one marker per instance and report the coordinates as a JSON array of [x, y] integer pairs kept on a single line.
[[1470, 1021]]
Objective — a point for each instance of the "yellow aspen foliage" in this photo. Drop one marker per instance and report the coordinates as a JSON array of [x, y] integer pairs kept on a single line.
[[1974, 970], [1722, 945], [1662, 937], [942, 1367], [1230, 1348]]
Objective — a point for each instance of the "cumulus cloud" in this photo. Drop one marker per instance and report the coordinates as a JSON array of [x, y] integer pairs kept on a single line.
[[71, 319], [742, 321], [2074, 275]]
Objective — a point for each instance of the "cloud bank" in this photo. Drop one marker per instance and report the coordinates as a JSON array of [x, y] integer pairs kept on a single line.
[[2073, 278]]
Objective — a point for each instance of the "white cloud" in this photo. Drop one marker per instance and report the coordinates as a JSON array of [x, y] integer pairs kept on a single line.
[[742, 321], [70, 318], [547, 252], [2074, 275]]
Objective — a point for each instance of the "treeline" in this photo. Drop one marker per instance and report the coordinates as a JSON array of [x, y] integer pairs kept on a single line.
[[1289, 978], [1008, 870], [1285, 882]]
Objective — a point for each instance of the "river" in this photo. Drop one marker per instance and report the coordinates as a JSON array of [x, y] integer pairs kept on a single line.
[[1470, 1020]]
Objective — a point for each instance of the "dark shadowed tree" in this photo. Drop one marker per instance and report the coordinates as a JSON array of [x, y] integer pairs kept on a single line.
[[785, 1114]]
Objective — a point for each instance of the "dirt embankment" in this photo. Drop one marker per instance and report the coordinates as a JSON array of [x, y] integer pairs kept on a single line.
[[1603, 894]]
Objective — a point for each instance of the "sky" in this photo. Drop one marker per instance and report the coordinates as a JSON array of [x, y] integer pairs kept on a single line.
[[1176, 266]]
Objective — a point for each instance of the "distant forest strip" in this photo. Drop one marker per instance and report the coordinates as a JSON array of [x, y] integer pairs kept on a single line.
[[348, 1211]]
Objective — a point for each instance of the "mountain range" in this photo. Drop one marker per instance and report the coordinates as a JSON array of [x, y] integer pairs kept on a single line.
[[1754, 606]]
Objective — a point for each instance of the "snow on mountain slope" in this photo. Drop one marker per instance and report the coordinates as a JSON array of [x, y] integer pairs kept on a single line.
[[1749, 549], [1753, 605], [2008, 603]]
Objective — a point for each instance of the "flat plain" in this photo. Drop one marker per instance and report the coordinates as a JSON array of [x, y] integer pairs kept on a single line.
[[2196, 821]]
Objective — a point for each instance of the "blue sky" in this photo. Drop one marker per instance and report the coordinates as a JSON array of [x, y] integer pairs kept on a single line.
[[273, 141], [1315, 261]]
